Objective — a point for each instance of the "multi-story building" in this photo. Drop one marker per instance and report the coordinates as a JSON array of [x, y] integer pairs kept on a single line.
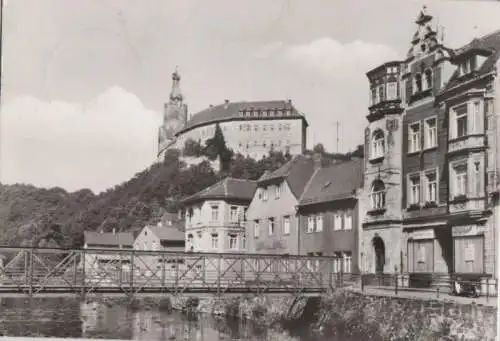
[[381, 237], [251, 128], [215, 216], [426, 70], [431, 172], [272, 220], [471, 149], [329, 214]]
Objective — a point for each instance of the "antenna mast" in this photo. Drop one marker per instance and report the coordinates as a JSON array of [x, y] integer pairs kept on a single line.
[[337, 125]]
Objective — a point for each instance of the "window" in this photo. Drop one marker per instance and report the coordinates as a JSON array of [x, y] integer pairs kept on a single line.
[[264, 194], [347, 262], [271, 226], [233, 241], [234, 213], [215, 212], [381, 93], [430, 133], [337, 225], [309, 263], [417, 83], [347, 221], [154, 246], [286, 225], [392, 91], [215, 241], [477, 118], [431, 186], [374, 96], [243, 242], [378, 144], [428, 79], [414, 137], [466, 67], [277, 191], [461, 124], [310, 224], [414, 189], [378, 195], [190, 241], [337, 262], [459, 180], [319, 223], [256, 229]]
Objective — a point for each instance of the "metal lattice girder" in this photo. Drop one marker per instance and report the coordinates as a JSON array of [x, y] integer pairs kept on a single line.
[[132, 271]]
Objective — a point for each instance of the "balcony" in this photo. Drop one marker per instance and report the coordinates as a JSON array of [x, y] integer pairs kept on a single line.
[[465, 143], [215, 223], [463, 203], [382, 108]]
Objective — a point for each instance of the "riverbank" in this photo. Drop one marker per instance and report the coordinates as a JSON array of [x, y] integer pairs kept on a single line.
[[353, 315]]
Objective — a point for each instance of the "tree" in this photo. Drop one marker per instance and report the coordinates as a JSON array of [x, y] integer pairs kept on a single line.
[[216, 148], [192, 148]]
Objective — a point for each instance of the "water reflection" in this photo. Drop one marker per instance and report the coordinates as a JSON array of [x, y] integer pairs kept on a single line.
[[71, 317]]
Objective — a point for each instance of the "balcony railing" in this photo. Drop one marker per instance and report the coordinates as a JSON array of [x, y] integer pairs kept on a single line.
[[465, 142]]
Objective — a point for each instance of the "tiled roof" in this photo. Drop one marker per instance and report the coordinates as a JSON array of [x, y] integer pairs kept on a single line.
[[109, 239], [296, 172], [490, 42], [336, 182], [231, 110], [228, 188], [167, 233], [169, 219]]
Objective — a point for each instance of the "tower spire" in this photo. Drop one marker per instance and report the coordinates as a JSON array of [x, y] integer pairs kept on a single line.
[[175, 93]]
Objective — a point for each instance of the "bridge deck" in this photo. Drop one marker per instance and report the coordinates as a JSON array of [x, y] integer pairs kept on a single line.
[[39, 270]]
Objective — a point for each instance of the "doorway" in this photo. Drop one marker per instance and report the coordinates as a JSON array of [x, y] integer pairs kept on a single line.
[[379, 247]]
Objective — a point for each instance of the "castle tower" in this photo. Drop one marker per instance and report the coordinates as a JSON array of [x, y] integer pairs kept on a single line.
[[174, 117]]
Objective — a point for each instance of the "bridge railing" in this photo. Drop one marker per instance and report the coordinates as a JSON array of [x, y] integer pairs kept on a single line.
[[39, 269]]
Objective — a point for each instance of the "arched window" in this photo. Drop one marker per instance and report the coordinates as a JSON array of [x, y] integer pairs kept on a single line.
[[417, 83], [428, 79], [378, 194], [190, 242], [378, 144]]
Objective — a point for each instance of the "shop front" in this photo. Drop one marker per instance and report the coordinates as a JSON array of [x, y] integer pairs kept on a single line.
[[468, 249]]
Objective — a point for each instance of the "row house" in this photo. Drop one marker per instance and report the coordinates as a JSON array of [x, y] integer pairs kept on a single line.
[[329, 215], [431, 171], [272, 219], [215, 217]]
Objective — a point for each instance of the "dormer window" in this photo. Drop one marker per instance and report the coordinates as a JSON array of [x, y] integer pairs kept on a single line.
[[378, 144], [466, 66], [417, 83]]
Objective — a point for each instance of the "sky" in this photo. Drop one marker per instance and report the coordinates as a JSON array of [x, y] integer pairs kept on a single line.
[[84, 82]]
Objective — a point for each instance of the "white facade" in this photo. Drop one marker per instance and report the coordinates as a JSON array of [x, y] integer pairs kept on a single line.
[[254, 138], [215, 226]]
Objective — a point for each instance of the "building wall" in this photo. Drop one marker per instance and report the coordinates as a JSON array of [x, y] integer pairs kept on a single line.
[[276, 208], [254, 137], [201, 226], [332, 240]]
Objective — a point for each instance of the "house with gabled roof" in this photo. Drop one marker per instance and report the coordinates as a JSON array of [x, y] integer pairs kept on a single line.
[[215, 216], [97, 246], [329, 214], [272, 223]]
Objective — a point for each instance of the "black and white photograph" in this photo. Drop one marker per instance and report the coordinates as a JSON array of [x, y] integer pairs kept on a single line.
[[285, 170]]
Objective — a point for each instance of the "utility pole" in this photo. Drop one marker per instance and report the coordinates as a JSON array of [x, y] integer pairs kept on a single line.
[[337, 125]]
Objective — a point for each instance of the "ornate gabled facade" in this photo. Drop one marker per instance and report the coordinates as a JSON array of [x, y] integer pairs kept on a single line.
[[432, 167], [174, 117], [427, 244], [471, 102], [380, 242]]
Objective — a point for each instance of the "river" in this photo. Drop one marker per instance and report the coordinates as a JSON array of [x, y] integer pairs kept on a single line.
[[71, 317]]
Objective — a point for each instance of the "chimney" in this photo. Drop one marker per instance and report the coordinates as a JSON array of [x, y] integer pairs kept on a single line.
[[317, 160], [289, 101]]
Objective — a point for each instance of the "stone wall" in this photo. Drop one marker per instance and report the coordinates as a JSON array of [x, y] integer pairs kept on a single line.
[[355, 316]]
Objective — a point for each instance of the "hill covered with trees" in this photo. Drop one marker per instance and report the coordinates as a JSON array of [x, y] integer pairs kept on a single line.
[[56, 218]]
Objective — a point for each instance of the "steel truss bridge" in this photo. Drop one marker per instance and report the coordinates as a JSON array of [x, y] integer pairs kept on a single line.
[[127, 271]]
